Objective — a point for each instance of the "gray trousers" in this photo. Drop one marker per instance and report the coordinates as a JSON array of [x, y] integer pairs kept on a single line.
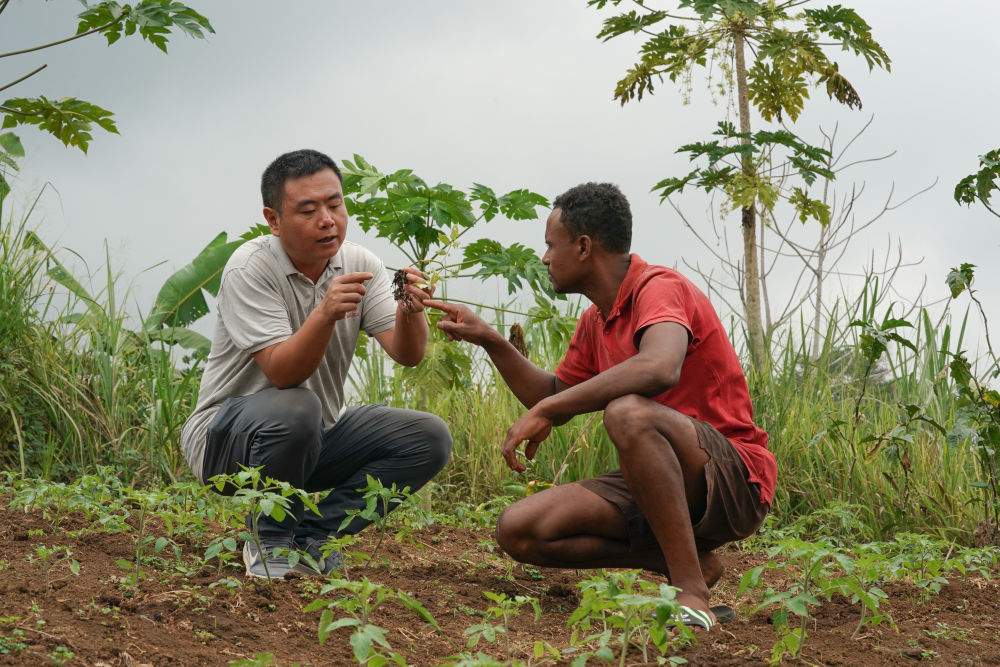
[[281, 430]]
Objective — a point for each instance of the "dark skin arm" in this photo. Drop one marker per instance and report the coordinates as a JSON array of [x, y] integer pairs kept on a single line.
[[529, 383], [656, 368]]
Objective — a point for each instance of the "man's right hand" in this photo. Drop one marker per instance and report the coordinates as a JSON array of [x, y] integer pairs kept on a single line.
[[344, 294], [460, 323]]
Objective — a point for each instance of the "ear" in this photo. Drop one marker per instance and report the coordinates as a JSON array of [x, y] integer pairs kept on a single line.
[[584, 246], [273, 220]]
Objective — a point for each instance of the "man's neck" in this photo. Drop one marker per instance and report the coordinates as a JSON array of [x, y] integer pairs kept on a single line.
[[609, 273]]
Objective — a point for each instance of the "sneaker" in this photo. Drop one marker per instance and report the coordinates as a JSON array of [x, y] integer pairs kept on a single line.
[[277, 550], [331, 563]]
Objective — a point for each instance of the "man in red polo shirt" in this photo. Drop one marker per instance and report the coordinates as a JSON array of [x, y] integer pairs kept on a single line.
[[652, 354]]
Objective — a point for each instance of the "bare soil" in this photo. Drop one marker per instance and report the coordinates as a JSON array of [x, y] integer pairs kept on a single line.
[[175, 619]]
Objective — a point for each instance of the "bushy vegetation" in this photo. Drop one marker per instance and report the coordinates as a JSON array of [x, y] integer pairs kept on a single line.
[[876, 421]]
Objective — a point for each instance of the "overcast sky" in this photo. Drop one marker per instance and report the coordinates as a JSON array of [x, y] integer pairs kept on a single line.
[[510, 94]]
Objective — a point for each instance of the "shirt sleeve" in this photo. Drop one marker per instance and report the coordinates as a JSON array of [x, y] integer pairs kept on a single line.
[[252, 311], [378, 308], [580, 362], [662, 298]]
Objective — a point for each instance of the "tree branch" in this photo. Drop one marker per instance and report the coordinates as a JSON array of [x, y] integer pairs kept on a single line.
[[61, 41], [26, 76]]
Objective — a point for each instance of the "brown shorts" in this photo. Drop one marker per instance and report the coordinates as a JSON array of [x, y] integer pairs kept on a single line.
[[733, 510]]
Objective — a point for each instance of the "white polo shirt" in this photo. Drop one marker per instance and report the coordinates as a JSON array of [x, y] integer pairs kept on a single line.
[[263, 300]]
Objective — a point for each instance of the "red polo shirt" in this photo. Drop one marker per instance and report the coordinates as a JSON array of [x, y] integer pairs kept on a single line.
[[712, 386]]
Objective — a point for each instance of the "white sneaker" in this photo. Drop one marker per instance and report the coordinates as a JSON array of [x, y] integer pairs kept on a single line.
[[275, 564]]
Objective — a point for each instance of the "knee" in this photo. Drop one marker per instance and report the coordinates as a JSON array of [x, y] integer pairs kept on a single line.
[[626, 416], [437, 441], [514, 534], [298, 413]]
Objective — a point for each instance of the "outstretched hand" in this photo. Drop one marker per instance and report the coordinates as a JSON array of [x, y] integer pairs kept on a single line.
[[460, 323], [531, 428]]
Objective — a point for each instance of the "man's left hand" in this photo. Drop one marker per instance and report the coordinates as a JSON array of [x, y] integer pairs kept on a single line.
[[417, 289], [532, 428]]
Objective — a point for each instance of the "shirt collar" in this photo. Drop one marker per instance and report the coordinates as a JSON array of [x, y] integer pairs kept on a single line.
[[636, 268], [333, 266]]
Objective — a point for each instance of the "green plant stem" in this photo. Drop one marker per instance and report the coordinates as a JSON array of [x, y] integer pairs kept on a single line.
[[481, 305]]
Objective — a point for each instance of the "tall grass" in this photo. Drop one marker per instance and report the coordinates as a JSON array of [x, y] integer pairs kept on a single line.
[[844, 433], [78, 388]]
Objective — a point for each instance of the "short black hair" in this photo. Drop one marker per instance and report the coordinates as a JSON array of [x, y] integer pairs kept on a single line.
[[288, 166], [600, 211]]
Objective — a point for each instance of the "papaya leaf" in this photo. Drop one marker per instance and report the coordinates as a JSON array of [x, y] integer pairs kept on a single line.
[[151, 19], [515, 263], [70, 120]]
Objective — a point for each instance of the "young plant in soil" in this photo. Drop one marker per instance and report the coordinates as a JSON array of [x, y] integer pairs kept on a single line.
[[628, 612], [503, 610], [379, 501], [359, 600], [262, 497]]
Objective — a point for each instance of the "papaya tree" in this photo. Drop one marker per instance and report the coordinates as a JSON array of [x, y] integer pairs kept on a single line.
[[768, 56], [430, 225], [978, 418], [72, 120]]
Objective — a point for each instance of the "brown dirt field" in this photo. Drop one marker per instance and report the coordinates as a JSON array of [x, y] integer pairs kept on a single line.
[[170, 619]]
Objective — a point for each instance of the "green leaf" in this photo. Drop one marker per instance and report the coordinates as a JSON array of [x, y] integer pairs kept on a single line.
[[186, 338], [152, 19], [61, 274], [981, 185], [364, 639], [960, 279], [11, 145], [516, 263], [70, 120], [181, 299], [853, 33]]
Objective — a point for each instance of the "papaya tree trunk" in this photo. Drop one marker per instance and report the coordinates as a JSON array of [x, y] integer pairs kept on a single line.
[[751, 267]]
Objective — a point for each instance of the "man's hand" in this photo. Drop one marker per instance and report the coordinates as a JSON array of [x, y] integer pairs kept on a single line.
[[531, 427], [344, 294], [416, 290], [460, 323]]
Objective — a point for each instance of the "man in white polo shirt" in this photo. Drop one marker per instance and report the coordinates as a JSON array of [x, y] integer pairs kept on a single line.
[[291, 306]]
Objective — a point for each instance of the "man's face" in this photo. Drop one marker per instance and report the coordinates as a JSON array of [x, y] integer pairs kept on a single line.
[[312, 221], [562, 256]]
